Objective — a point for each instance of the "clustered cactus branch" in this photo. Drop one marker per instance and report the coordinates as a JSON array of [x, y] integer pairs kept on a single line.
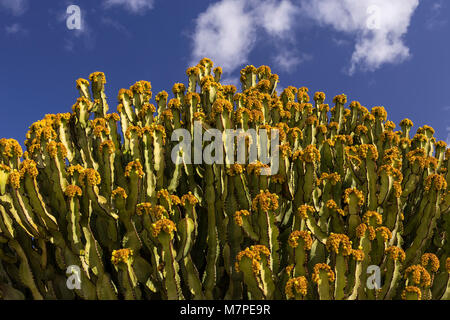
[[99, 191]]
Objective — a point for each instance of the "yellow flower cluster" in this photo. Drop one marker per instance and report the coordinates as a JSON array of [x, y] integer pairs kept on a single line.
[[53, 148], [166, 225], [379, 112], [143, 208], [411, 289], [163, 95], [238, 216], [385, 233], [372, 218], [332, 177], [343, 138], [406, 123], [303, 210], [142, 87], [219, 106], [159, 212], [339, 243], [28, 167], [319, 96], [340, 99], [81, 82], [265, 201], [109, 144], [299, 284], [357, 254], [435, 181], [174, 104], [91, 176], [198, 116], [305, 236], [419, 275], [10, 148], [72, 169], [322, 267], [121, 255], [331, 204], [189, 198], [156, 128], [123, 95], [133, 130], [396, 253], [119, 191], [361, 231], [193, 71], [349, 191], [14, 179], [254, 254], [310, 154], [368, 150], [72, 191], [361, 129], [278, 178], [97, 77], [137, 166], [431, 260], [81, 102], [147, 109]]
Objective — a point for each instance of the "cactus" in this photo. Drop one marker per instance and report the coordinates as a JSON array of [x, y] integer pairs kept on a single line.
[[98, 193]]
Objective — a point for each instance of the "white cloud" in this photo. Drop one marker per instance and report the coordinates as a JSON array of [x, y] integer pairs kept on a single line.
[[16, 7], [378, 25], [116, 25], [228, 30], [435, 18], [287, 60], [340, 42], [15, 28], [84, 37], [225, 32], [276, 17], [134, 6]]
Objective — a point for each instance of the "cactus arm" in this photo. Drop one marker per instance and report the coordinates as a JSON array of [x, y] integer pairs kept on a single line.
[[25, 272], [446, 295], [324, 287], [341, 279], [190, 273], [425, 227], [209, 279], [357, 282], [172, 282], [253, 283]]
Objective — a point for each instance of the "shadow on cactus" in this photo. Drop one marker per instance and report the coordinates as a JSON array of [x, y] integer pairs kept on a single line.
[[95, 208]]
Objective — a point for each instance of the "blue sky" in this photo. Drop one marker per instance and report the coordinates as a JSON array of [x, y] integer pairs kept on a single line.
[[391, 53]]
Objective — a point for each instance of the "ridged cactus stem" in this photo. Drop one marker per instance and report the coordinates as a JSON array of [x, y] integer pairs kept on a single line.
[[323, 284], [25, 272], [446, 295], [392, 278], [341, 279], [171, 278], [423, 234], [210, 275]]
